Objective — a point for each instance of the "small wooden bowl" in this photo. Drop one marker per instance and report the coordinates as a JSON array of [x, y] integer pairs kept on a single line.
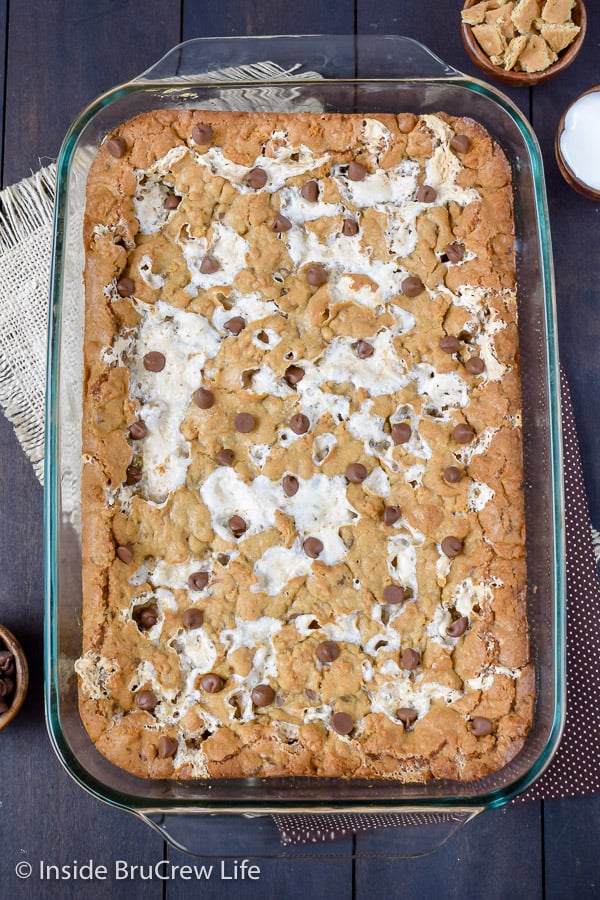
[[525, 79], [21, 676], [566, 172]]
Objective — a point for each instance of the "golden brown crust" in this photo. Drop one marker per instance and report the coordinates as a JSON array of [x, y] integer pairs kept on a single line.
[[128, 233]]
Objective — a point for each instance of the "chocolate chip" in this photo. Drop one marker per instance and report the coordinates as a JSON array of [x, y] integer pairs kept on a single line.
[[203, 398], [349, 227], [460, 143], [192, 618], [244, 423], [197, 581], [475, 365], [356, 473], [154, 361], [166, 747], [125, 287], [294, 374], [263, 337], [452, 546], [452, 475], [223, 559], [410, 658], [455, 251], [146, 700], [7, 686], [364, 350], [133, 475], [281, 223], [316, 275], [412, 286], [235, 325], [401, 433], [426, 194], [480, 726], [407, 716], [312, 695], [237, 526], [310, 191], [147, 618], [202, 134], [290, 485], [391, 514], [209, 265], [463, 434], [137, 430], [125, 553], [465, 336], [394, 594], [356, 172], [328, 651], [342, 723], [299, 423], [458, 627], [212, 683], [7, 662], [263, 695], [450, 344], [172, 201], [224, 457], [116, 147], [256, 178], [312, 547]]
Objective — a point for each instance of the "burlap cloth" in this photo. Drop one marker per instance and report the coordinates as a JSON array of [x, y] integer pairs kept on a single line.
[[25, 249]]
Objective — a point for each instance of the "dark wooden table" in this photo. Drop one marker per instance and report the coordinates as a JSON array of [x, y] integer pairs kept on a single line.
[[60, 55]]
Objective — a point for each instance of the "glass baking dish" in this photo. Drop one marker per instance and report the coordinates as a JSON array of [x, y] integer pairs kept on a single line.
[[332, 74]]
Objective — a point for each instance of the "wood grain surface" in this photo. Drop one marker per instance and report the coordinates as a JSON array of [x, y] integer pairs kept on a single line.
[[58, 57]]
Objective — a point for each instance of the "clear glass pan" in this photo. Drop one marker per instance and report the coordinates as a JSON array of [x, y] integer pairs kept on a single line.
[[336, 74]]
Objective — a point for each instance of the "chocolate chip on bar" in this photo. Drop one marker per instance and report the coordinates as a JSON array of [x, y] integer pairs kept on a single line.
[[401, 432], [407, 716], [452, 546], [137, 430], [450, 344], [125, 553], [394, 594], [299, 423], [235, 325], [263, 695], [481, 727], [460, 143], [172, 201], [364, 350], [411, 659], [224, 457], [281, 223], [212, 683], [209, 265], [293, 375], [133, 475], [116, 146], [412, 286], [349, 227], [475, 365], [356, 172], [154, 361], [202, 134], [426, 194], [458, 627], [316, 275], [237, 526], [310, 191], [356, 473], [244, 423], [455, 251], [342, 723], [328, 651], [166, 747], [192, 618], [452, 475], [290, 485], [313, 547], [125, 287], [146, 700], [197, 581], [391, 514], [256, 178], [147, 618], [463, 433], [203, 398]]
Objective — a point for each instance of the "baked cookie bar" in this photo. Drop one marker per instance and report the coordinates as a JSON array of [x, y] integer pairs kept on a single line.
[[303, 524]]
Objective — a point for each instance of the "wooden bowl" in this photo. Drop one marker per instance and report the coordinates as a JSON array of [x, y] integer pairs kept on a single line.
[[21, 676], [525, 79], [566, 172]]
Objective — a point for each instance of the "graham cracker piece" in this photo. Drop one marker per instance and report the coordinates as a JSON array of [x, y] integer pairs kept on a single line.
[[537, 55], [555, 12], [524, 13], [490, 39], [501, 18], [475, 15], [515, 48], [559, 36]]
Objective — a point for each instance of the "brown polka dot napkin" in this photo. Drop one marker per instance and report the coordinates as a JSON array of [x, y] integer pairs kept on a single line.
[[574, 770]]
